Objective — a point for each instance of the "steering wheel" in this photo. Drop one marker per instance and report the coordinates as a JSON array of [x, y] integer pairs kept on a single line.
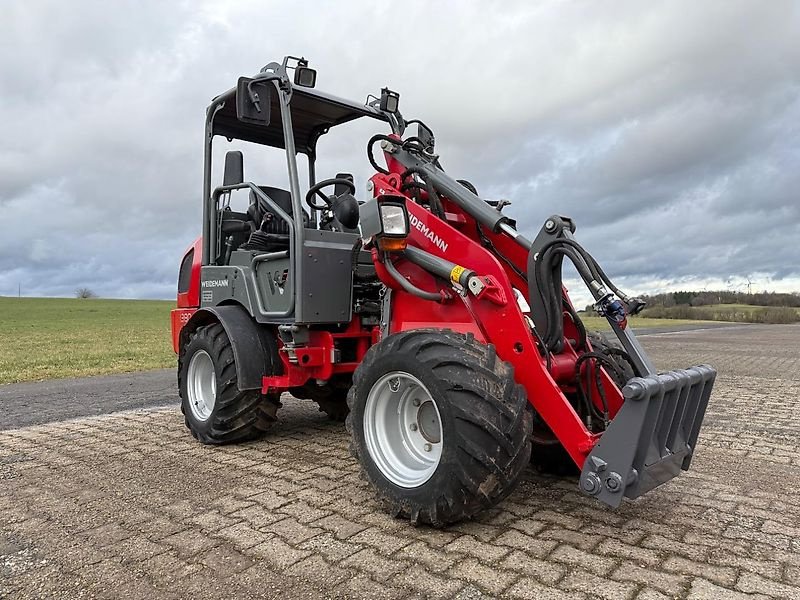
[[317, 187]]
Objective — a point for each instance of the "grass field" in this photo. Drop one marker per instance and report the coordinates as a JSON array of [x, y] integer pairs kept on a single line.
[[45, 338], [737, 313], [749, 308], [601, 324]]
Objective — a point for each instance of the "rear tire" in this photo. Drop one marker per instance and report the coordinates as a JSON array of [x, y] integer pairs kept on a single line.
[[331, 398], [600, 343], [438, 424], [214, 409], [335, 407]]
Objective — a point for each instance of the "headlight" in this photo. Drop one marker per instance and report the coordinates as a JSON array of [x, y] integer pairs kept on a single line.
[[394, 220], [384, 220]]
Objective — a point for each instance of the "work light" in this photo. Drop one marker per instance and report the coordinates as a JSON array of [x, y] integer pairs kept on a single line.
[[394, 225], [390, 100], [394, 220], [305, 76]]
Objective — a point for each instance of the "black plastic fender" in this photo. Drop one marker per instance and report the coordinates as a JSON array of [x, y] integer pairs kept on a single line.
[[255, 349]]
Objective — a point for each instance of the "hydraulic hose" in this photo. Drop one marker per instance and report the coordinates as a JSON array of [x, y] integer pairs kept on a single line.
[[576, 320], [380, 137], [433, 197], [585, 393], [408, 286], [551, 297], [594, 266], [412, 143], [546, 267], [588, 260]]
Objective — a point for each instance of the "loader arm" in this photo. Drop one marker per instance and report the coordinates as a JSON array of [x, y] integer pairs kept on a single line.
[[651, 425], [501, 324]]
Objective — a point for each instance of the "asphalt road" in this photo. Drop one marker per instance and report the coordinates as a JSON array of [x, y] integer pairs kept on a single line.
[[23, 404], [645, 331], [129, 505]]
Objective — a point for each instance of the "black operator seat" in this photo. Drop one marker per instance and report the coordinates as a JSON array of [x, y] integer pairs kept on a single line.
[[263, 216], [340, 189], [270, 230], [258, 210]]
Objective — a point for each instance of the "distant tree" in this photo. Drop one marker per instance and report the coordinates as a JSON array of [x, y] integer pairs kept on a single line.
[[85, 292]]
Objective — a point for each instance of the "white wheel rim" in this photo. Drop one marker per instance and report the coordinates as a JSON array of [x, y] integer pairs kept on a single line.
[[402, 429], [201, 385]]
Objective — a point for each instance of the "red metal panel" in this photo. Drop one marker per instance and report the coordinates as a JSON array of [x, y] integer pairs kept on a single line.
[[501, 325], [178, 318], [191, 298]]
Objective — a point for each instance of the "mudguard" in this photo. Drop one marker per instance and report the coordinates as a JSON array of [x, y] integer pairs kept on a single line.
[[255, 349]]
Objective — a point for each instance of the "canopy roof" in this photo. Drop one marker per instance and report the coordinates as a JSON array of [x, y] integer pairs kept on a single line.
[[313, 113]]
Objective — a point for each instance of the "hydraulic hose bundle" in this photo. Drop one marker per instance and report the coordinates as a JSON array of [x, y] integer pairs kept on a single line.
[[421, 183], [547, 273], [424, 184]]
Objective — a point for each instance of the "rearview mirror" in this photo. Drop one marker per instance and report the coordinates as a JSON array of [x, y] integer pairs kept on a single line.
[[253, 99]]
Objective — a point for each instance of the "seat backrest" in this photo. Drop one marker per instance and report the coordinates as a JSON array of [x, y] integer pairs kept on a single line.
[[340, 189], [282, 198], [258, 210]]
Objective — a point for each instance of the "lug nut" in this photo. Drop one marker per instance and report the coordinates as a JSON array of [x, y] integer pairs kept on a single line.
[[427, 447], [413, 427], [394, 384], [416, 402]]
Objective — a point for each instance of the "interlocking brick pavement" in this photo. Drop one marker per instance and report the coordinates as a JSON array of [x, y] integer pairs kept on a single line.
[[128, 505]]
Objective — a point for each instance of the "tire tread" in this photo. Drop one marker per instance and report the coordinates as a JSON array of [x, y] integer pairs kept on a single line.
[[238, 415], [492, 418]]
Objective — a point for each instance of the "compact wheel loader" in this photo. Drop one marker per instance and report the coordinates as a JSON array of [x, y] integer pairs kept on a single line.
[[418, 312]]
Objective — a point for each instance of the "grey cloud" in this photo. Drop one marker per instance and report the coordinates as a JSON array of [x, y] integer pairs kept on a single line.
[[669, 131]]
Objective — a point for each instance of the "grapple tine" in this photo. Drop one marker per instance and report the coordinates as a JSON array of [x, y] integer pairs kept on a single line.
[[703, 392], [673, 441]]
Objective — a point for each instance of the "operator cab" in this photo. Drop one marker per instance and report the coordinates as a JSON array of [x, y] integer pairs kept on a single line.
[[261, 228], [298, 247]]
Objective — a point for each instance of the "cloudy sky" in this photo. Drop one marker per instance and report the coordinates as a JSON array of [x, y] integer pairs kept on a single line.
[[669, 131]]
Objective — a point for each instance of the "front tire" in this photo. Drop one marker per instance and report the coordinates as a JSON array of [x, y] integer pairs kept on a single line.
[[438, 424], [214, 409]]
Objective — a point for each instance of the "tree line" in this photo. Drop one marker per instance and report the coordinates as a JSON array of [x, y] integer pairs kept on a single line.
[[707, 298]]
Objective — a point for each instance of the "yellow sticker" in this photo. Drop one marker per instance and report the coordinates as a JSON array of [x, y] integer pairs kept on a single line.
[[455, 274]]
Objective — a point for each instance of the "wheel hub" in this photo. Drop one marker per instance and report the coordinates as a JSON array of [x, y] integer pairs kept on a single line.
[[428, 422], [402, 429], [201, 385]]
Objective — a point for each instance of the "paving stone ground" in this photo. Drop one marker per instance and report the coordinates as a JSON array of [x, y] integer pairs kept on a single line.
[[128, 505]]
